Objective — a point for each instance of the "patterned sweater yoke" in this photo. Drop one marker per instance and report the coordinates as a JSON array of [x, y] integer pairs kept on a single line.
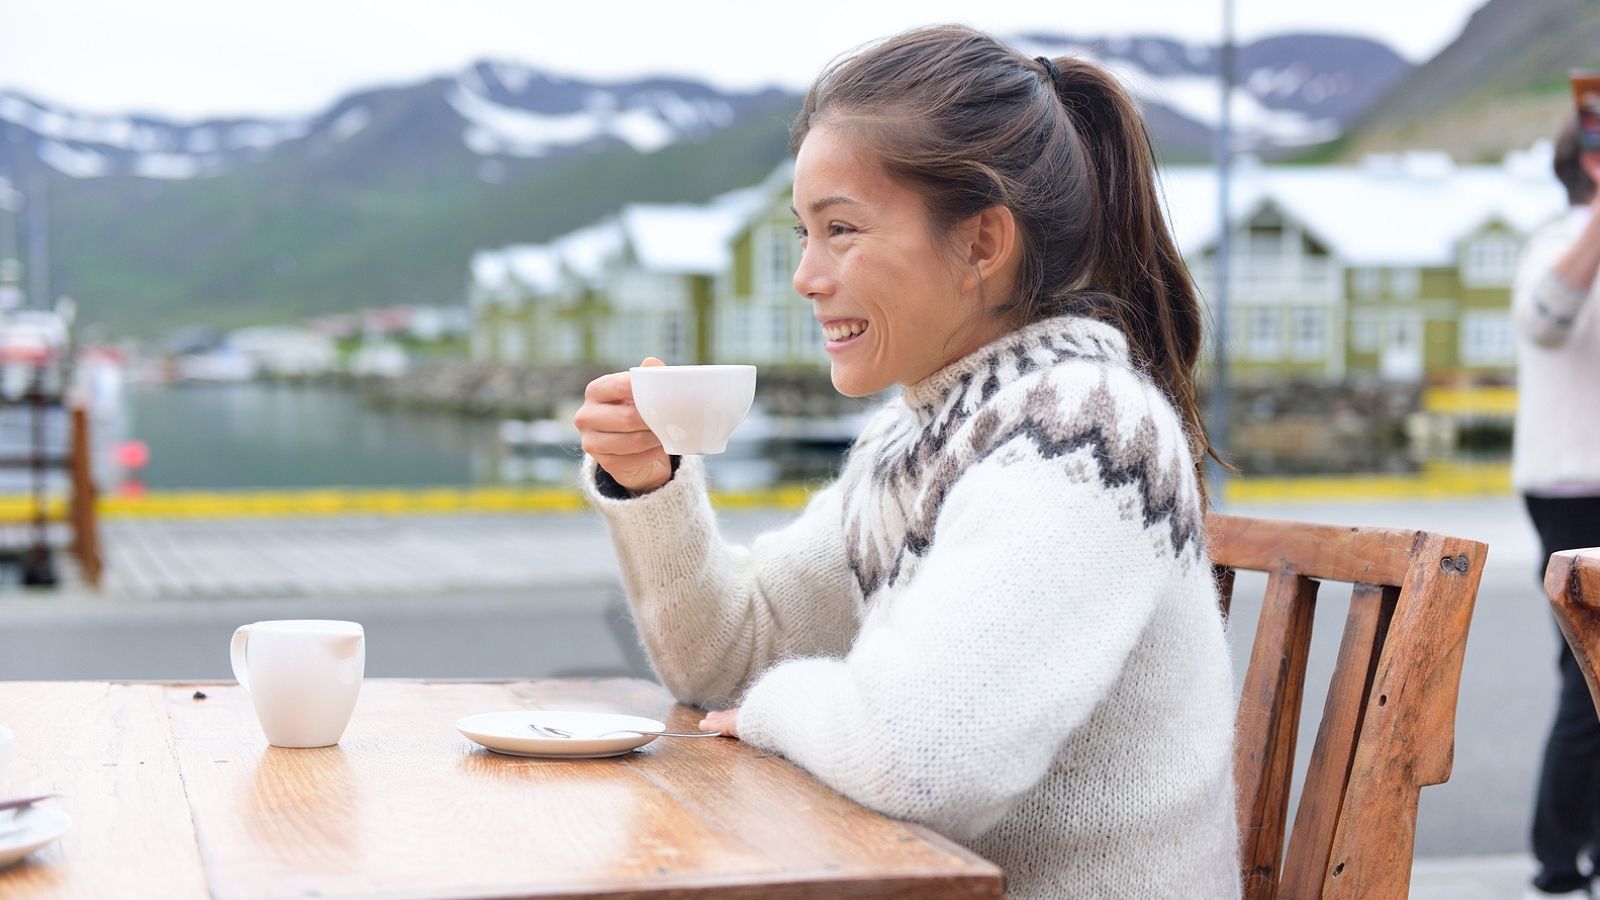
[[999, 621]]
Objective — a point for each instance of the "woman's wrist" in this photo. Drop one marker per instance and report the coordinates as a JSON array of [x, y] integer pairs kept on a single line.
[[612, 489]]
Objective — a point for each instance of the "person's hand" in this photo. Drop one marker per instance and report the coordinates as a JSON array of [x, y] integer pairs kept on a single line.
[[613, 433], [725, 721]]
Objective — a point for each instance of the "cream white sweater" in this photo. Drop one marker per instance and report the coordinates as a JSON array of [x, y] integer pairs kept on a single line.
[[1000, 622], [1556, 445]]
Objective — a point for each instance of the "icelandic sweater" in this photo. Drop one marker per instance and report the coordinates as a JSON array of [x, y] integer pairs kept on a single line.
[[1556, 443], [999, 621]]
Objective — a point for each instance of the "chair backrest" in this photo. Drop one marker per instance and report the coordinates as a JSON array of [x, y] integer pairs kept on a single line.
[[1388, 725], [1572, 579]]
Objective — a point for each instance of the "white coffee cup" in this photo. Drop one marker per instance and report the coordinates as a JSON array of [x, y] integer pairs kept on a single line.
[[302, 676], [693, 409]]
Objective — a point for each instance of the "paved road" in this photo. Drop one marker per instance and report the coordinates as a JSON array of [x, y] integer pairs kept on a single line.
[[566, 626]]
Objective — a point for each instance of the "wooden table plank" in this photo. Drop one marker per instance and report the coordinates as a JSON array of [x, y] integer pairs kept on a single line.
[[107, 750], [406, 807]]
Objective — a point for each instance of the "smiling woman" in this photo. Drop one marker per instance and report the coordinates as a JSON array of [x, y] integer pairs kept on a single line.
[[1000, 620]]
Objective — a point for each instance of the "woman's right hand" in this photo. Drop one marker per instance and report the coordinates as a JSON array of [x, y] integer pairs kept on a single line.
[[614, 434]]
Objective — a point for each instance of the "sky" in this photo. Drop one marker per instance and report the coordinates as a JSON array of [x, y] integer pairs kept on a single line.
[[191, 59]]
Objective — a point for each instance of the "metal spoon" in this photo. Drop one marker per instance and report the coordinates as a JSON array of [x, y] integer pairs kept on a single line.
[[550, 731]]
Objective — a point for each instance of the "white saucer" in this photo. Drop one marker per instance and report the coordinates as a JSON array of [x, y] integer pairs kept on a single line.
[[39, 826], [508, 733]]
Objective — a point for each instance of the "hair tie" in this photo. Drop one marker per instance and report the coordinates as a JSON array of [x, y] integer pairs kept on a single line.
[[1050, 71]]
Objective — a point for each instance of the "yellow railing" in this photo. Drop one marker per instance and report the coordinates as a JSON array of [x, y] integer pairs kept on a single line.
[[1435, 481], [1482, 401]]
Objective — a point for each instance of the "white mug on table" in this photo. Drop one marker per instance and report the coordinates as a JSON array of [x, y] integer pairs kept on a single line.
[[302, 676]]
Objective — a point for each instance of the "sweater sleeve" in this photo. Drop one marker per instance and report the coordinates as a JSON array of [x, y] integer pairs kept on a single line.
[[1042, 575], [1545, 307], [712, 615]]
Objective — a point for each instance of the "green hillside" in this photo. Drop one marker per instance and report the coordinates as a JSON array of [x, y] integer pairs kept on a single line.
[[1501, 85], [391, 217]]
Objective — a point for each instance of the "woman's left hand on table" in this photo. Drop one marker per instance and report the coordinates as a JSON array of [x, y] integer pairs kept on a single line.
[[725, 721]]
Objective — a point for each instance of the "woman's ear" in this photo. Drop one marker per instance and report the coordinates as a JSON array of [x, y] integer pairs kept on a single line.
[[989, 244]]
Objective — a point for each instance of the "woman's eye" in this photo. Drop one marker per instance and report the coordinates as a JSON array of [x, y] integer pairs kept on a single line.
[[800, 232], [835, 229]]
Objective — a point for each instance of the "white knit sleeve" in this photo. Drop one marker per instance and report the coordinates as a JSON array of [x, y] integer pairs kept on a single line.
[[712, 615], [1042, 574], [1546, 308]]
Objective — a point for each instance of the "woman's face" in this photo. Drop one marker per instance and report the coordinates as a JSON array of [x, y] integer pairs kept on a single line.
[[895, 307]]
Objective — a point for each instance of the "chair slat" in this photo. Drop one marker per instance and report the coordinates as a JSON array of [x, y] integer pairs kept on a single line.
[[1322, 794], [1335, 553], [1572, 580], [1269, 711], [1408, 732]]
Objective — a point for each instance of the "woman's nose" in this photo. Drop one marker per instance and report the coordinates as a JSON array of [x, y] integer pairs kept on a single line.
[[810, 278]]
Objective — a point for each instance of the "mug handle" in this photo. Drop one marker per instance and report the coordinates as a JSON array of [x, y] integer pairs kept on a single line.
[[237, 652]]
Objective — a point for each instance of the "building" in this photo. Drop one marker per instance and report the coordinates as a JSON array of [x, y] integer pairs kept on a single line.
[[760, 319], [1397, 269]]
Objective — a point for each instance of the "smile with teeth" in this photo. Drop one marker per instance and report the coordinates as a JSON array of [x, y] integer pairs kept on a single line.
[[843, 331]]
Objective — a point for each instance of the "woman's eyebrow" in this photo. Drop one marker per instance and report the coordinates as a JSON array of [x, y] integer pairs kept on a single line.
[[822, 204]]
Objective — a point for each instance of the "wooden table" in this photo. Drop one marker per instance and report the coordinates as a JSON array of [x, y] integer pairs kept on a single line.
[[173, 796]]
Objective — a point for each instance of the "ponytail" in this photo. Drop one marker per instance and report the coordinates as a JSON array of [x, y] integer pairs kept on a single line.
[[1136, 268]]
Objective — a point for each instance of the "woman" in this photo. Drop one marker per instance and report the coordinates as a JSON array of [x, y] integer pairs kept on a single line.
[[1000, 620]]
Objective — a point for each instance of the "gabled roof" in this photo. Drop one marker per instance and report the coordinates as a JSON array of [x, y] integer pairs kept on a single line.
[[1389, 211], [687, 239]]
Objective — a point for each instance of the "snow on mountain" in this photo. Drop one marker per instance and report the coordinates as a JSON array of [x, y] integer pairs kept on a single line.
[[1292, 90], [1289, 90], [503, 116]]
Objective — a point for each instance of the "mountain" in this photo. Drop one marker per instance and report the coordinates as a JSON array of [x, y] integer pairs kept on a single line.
[[383, 197], [380, 199], [1291, 90], [1501, 85]]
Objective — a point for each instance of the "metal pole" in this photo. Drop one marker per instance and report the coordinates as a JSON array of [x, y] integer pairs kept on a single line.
[[38, 239], [1218, 425]]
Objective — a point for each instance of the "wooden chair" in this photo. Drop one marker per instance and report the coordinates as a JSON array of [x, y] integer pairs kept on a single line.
[[1388, 726], [1572, 579]]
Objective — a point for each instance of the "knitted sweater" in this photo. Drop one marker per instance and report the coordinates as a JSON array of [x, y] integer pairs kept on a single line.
[[1556, 444], [1000, 621]]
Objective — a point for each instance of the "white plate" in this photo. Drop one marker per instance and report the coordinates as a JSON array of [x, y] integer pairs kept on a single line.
[[508, 732], [39, 825]]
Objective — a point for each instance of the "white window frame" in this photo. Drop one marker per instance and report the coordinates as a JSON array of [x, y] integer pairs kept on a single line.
[[1364, 331], [774, 246], [1490, 260], [1487, 338], [1312, 344], [1366, 282], [1405, 283], [1264, 333]]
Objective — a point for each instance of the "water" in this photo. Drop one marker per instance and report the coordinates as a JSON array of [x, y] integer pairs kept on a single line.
[[276, 436], [266, 436]]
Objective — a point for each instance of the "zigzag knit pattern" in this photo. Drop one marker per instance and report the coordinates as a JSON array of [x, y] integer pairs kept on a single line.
[[999, 622], [918, 459]]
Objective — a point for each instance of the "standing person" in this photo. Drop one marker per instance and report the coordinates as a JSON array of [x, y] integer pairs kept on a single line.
[[1556, 466], [1000, 621]]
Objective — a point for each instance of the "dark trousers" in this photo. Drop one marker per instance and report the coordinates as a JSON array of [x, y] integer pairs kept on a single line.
[[1566, 815]]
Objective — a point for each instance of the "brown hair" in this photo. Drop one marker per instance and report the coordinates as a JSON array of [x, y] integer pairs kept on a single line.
[[970, 123], [1569, 166]]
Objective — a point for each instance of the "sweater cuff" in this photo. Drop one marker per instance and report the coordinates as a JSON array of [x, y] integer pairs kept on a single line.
[[1558, 302], [609, 487], [792, 705]]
